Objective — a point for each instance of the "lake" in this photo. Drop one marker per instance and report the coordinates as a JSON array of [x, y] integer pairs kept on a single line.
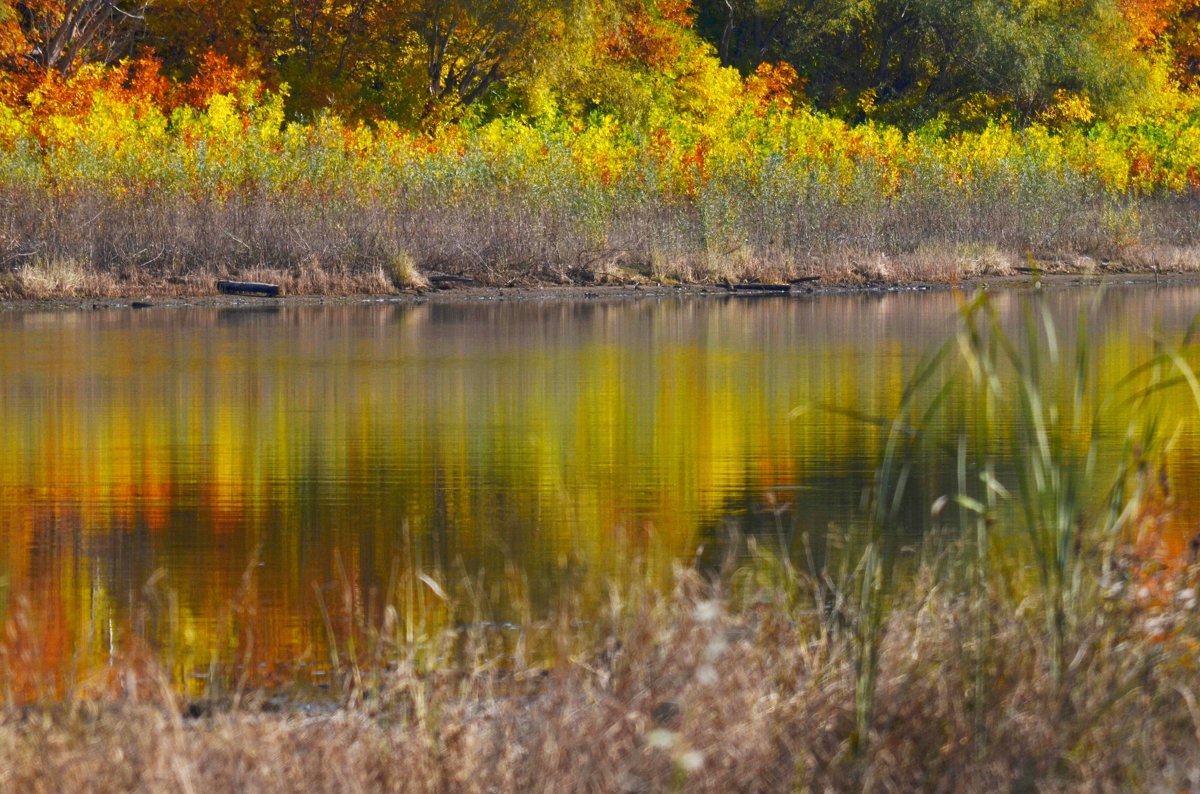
[[237, 483]]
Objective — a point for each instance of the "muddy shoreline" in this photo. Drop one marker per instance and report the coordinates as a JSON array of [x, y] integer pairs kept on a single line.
[[143, 299]]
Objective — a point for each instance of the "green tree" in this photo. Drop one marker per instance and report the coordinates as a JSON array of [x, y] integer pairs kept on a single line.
[[912, 61]]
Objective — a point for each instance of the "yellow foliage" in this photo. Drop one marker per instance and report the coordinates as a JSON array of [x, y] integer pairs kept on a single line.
[[1069, 108], [715, 131]]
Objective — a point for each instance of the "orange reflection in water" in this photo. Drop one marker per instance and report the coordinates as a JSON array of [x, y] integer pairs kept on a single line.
[[241, 485]]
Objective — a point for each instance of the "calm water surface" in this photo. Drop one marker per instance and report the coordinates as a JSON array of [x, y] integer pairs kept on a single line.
[[171, 474]]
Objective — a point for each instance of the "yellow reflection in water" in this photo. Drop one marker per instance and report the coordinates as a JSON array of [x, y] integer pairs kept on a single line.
[[210, 480]]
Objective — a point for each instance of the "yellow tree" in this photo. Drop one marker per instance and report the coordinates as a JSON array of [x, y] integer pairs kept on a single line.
[[468, 46], [416, 59]]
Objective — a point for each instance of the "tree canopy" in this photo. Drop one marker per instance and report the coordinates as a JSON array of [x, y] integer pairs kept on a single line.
[[911, 61], [422, 62]]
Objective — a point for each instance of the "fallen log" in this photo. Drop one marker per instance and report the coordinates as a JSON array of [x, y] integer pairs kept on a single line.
[[248, 288], [762, 287], [443, 281]]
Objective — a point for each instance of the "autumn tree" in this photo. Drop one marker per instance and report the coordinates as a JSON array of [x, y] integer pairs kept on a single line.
[[419, 60], [182, 32], [59, 35], [639, 62], [467, 47], [1171, 28], [309, 44]]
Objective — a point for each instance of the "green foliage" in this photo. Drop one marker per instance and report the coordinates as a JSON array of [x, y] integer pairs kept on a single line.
[[913, 61]]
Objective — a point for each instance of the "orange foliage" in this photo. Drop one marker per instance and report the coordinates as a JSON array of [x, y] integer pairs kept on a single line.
[[12, 39], [1149, 19], [694, 165], [145, 81], [1173, 23], [774, 85], [650, 34], [141, 78], [676, 11], [216, 75], [19, 75], [55, 95], [1160, 552], [138, 83]]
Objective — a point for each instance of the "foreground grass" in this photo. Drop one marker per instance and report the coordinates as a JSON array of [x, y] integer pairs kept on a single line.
[[701, 689]]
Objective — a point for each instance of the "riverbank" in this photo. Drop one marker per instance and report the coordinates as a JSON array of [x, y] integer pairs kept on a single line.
[[204, 294], [125, 202]]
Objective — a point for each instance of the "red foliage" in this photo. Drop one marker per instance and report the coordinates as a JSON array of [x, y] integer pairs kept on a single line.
[[650, 34], [216, 75]]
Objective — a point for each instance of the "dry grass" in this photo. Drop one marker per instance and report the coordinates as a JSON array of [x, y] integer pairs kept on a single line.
[[77, 246], [52, 278], [711, 688], [402, 272], [1164, 258]]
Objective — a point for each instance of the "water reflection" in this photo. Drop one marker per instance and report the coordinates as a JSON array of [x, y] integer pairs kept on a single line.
[[254, 461]]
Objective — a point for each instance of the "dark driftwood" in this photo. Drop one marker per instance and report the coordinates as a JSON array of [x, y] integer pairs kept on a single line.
[[804, 280], [762, 287], [442, 281], [248, 288]]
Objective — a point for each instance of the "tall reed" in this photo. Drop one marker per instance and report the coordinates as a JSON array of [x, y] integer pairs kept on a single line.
[[1047, 476]]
